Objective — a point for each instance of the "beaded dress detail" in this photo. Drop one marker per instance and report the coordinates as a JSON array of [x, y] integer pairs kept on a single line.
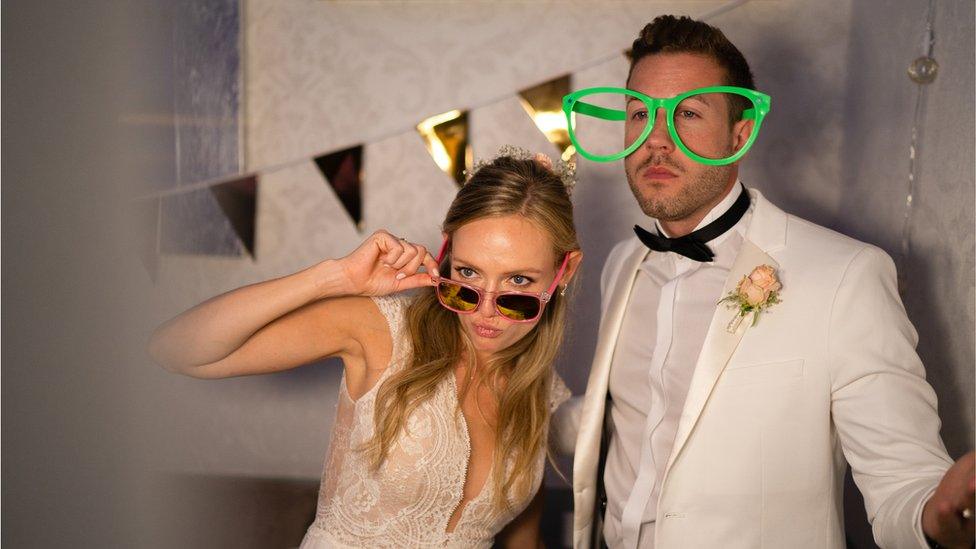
[[410, 499]]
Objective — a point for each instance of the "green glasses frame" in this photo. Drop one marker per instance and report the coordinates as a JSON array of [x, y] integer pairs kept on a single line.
[[572, 103]]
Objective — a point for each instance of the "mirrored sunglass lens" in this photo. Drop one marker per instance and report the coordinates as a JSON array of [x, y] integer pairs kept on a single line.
[[457, 297], [598, 120], [518, 307], [704, 122]]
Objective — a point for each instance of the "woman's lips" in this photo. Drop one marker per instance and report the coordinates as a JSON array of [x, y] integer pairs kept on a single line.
[[485, 331]]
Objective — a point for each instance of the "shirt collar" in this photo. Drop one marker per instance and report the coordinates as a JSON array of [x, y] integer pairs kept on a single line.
[[723, 254]]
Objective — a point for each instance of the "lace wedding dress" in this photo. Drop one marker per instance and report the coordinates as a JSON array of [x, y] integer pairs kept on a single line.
[[410, 499]]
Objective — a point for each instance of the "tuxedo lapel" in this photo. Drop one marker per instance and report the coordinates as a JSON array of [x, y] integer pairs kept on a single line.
[[767, 230]]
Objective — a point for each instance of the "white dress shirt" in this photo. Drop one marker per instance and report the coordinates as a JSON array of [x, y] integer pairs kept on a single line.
[[662, 334]]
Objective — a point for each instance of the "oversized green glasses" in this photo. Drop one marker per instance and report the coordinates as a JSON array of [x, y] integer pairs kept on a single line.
[[698, 121]]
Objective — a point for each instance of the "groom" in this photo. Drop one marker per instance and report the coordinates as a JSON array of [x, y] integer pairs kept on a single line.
[[703, 429]]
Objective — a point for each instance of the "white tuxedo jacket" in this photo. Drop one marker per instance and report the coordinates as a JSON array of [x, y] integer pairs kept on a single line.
[[772, 413]]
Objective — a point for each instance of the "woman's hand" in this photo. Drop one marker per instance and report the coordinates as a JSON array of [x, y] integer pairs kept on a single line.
[[384, 264]]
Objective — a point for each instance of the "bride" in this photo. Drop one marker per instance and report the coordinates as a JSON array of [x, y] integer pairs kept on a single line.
[[443, 416]]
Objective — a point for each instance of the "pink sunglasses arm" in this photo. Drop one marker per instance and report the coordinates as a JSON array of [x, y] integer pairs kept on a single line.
[[440, 254], [559, 275]]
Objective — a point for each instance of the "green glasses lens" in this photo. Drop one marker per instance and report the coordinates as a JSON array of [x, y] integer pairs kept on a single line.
[[703, 122], [596, 121]]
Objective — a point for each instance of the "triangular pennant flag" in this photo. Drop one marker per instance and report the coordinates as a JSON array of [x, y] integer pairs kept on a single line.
[[344, 172], [446, 137], [195, 223], [544, 104], [238, 200]]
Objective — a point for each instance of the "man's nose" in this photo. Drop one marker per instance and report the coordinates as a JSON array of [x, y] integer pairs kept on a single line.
[[659, 137]]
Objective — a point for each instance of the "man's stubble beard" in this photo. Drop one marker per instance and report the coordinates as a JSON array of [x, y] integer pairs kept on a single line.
[[703, 189]]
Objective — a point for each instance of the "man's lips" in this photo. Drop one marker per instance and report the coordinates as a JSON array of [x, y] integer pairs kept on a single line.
[[658, 172]]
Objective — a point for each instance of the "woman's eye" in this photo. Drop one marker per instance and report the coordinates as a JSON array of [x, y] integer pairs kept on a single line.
[[465, 272], [520, 280]]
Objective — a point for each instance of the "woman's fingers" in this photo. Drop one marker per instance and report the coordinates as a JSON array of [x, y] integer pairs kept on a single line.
[[412, 269], [416, 254], [409, 253], [391, 248], [430, 264], [414, 281], [395, 264], [410, 277]]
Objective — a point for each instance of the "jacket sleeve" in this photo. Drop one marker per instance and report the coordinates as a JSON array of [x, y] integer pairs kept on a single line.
[[884, 411]]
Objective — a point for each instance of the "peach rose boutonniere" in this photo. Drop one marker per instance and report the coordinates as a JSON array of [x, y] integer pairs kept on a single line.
[[753, 295]]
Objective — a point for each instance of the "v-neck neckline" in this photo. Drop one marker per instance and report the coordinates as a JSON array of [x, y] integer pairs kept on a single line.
[[466, 436]]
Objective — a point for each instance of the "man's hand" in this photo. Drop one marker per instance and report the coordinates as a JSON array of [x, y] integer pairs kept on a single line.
[[947, 517]]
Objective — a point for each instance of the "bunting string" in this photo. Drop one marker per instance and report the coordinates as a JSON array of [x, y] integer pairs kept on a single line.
[[279, 166]]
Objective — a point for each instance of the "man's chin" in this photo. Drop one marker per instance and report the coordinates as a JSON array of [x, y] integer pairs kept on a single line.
[[657, 208]]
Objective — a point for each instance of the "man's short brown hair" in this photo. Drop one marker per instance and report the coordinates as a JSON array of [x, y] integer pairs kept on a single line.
[[670, 34]]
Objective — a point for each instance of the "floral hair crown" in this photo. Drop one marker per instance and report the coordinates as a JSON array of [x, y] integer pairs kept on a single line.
[[565, 171]]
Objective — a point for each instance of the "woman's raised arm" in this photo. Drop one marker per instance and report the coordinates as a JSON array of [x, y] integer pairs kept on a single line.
[[292, 320]]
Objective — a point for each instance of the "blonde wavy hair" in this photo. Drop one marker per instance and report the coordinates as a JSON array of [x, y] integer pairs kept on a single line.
[[506, 186]]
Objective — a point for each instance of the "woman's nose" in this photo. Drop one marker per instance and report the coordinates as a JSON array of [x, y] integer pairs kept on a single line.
[[487, 305]]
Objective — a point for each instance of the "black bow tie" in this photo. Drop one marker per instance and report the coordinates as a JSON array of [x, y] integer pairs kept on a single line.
[[693, 245]]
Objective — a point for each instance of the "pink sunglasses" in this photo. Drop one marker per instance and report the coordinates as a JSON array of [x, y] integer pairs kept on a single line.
[[464, 298]]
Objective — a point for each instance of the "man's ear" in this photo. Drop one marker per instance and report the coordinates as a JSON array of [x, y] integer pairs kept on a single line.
[[741, 131]]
